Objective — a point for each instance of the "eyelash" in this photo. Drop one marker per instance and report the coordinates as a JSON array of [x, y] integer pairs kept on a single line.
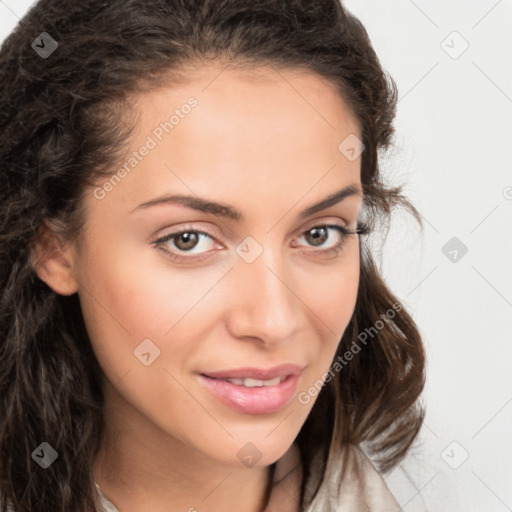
[[362, 229]]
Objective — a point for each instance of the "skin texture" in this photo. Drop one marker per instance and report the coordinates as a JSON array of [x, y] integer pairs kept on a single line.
[[265, 142]]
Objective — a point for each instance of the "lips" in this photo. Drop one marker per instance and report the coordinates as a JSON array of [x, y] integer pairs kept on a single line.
[[242, 389], [252, 400], [282, 370]]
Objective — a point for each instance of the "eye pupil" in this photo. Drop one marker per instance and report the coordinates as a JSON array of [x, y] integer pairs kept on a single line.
[[319, 235], [188, 237]]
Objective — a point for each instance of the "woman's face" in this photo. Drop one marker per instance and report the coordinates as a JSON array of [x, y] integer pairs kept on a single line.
[[261, 288]]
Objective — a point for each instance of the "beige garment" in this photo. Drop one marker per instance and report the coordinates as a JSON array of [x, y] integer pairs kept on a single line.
[[361, 489]]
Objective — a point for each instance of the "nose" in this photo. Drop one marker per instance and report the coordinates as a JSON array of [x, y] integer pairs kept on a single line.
[[263, 304]]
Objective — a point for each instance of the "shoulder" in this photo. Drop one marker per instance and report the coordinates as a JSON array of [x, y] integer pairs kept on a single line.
[[351, 483]]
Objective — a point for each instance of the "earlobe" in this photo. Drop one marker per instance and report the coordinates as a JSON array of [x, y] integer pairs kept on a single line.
[[53, 262]]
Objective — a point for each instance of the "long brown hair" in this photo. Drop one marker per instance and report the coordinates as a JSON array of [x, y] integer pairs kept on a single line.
[[63, 125]]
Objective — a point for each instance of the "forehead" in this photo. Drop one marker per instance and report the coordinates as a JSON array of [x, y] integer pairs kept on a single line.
[[265, 131], [263, 90]]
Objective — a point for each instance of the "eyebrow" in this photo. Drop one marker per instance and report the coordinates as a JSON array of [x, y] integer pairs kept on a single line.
[[227, 211]]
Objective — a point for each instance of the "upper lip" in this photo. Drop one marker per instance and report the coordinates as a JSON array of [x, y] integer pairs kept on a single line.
[[283, 370]]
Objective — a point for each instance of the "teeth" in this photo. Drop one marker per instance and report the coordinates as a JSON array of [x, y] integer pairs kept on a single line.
[[253, 383]]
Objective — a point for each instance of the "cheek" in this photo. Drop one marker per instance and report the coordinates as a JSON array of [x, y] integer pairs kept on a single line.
[[134, 295], [139, 310], [331, 290], [331, 296]]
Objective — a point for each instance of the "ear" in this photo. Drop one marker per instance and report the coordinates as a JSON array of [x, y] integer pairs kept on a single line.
[[53, 261]]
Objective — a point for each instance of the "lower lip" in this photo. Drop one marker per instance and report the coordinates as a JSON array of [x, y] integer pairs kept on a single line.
[[257, 400]]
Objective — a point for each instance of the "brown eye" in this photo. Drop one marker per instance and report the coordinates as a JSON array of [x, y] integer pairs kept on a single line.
[[327, 239], [317, 236], [186, 240], [191, 242]]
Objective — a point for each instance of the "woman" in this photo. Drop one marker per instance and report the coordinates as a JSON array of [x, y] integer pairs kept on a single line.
[[190, 317]]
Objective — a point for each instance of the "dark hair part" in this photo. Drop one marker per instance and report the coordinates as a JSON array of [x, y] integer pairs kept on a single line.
[[63, 124]]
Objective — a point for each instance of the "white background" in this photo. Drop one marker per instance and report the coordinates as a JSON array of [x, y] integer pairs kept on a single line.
[[453, 152]]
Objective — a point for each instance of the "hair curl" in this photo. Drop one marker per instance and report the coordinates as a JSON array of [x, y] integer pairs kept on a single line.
[[63, 125]]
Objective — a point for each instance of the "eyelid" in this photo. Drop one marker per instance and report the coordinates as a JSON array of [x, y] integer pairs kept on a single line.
[[320, 222], [212, 232], [191, 227], [182, 258]]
